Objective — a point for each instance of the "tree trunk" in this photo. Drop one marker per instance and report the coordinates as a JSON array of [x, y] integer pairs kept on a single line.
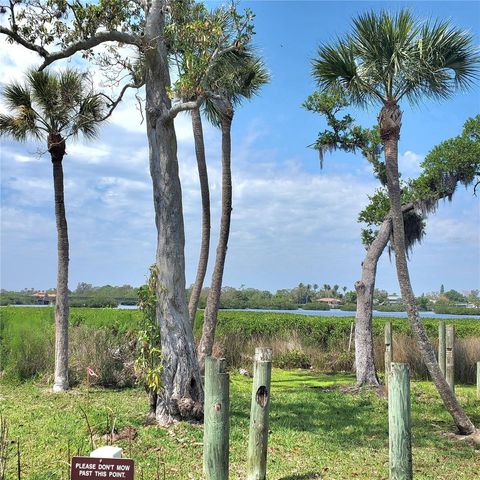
[[56, 147], [205, 244], [390, 122], [364, 357], [213, 299], [181, 397]]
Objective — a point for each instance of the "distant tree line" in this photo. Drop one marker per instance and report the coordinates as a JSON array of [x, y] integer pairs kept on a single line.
[[306, 296]]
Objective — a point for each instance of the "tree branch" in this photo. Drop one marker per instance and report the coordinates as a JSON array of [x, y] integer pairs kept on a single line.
[[114, 103], [87, 44], [184, 106], [17, 38]]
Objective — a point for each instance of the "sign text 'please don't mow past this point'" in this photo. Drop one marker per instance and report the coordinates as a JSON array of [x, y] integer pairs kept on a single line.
[[102, 468]]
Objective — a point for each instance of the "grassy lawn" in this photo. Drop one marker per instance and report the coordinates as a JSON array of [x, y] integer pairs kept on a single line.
[[316, 431]]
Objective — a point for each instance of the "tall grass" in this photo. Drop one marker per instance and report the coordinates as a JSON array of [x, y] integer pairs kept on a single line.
[[105, 340]]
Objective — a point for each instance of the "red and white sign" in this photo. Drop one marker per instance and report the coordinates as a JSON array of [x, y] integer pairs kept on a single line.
[[102, 468]]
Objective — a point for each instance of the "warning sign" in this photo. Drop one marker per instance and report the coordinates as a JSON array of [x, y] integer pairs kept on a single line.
[[102, 468]]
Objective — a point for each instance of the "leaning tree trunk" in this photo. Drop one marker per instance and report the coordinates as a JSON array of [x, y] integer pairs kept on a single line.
[[205, 243], [56, 147], [364, 356], [213, 300], [390, 122], [364, 352], [181, 396]]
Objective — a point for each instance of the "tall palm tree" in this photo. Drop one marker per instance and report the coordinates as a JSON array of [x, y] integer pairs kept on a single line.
[[197, 129], [53, 107], [239, 76], [385, 59]]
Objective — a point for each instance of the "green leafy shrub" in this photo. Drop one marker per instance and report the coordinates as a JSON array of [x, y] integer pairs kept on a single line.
[[314, 306], [292, 359], [451, 310]]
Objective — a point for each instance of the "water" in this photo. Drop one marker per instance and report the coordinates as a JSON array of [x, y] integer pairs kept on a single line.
[[335, 312]]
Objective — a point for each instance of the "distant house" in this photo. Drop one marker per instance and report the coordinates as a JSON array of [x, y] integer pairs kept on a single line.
[[465, 305], [394, 299], [44, 298], [331, 302]]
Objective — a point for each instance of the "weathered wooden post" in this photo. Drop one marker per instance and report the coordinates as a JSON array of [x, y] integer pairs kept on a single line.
[[258, 436], [478, 380], [388, 350], [400, 440], [441, 347], [216, 417], [450, 356]]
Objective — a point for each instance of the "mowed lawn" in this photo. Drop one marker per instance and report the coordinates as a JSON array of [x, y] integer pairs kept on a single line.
[[316, 431]]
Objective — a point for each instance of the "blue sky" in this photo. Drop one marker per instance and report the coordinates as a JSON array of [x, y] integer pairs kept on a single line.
[[292, 222]]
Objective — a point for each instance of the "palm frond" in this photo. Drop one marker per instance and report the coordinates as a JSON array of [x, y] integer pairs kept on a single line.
[[17, 96], [236, 76], [19, 127], [394, 56]]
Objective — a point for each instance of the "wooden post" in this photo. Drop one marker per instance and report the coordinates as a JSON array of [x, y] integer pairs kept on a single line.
[[441, 347], [400, 440], [351, 337], [388, 350], [478, 380], [450, 356], [216, 416], [258, 436]]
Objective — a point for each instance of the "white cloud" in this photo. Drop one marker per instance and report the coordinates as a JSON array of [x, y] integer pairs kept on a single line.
[[409, 164]]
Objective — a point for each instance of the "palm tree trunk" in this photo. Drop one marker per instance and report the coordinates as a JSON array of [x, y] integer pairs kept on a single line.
[[56, 147], [181, 396], [390, 123], [213, 300], [205, 243]]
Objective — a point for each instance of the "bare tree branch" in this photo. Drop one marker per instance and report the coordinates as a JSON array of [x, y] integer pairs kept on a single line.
[[86, 44], [184, 106], [115, 102]]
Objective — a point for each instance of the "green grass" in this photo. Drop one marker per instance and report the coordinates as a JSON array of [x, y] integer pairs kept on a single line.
[[315, 430]]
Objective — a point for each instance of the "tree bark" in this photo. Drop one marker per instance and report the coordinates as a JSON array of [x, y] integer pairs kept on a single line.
[[204, 188], [364, 357], [213, 300], [390, 123], [56, 147], [181, 397], [364, 354]]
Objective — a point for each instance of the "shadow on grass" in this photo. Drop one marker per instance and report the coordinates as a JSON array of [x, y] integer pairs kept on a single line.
[[305, 476]]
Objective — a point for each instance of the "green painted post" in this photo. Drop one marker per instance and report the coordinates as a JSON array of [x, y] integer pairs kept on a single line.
[[388, 350], [450, 356], [400, 440], [216, 417], [441, 347], [258, 436], [478, 380]]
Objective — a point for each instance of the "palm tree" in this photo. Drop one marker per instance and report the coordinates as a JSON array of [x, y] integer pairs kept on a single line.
[[54, 107], [384, 60], [239, 76], [197, 129]]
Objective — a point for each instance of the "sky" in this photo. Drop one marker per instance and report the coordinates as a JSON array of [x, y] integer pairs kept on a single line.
[[292, 221]]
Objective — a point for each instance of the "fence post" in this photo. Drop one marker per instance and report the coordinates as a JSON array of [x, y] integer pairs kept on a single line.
[[258, 435], [441, 347], [478, 380], [450, 356], [216, 417], [400, 440], [388, 350]]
